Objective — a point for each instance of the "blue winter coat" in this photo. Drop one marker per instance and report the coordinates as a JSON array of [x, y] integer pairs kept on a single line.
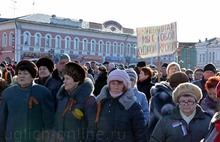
[[25, 112], [72, 125], [121, 119]]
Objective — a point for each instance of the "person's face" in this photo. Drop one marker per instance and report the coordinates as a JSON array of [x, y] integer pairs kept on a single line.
[[24, 78], [172, 70], [207, 74], [116, 87], [212, 94], [69, 83], [142, 76], [60, 64], [43, 72], [198, 75], [163, 71], [187, 104]]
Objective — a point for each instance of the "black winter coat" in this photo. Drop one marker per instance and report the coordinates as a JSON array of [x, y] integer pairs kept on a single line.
[[160, 104], [145, 86], [121, 118]]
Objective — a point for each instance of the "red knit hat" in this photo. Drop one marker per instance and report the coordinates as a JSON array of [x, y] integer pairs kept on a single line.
[[218, 91]]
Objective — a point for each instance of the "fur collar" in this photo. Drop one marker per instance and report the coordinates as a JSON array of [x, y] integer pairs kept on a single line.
[[127, 99], [80, 93]]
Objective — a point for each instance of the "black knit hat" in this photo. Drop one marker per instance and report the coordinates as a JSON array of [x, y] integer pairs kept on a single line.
[[164, 65], [27, 65], [141, 64], [178, 78], [45, 62], [210, 67], [75, 70]]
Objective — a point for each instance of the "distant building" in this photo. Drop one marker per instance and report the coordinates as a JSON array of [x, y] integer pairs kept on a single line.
[[39, 35], [208, 51]]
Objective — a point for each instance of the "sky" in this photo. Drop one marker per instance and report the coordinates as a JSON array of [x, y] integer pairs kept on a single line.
[[196, 19]]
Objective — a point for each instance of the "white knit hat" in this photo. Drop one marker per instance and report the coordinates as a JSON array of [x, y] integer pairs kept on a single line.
[[120, 75]]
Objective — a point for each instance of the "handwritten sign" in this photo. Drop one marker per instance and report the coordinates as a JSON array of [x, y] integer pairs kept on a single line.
[[157, 40]]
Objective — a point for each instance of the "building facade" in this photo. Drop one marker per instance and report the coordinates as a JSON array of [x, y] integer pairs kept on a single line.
[[208, 51], [40, 35]]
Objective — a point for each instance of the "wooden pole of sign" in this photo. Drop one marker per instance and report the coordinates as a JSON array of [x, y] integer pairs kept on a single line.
[[158, 57], [158, 69]]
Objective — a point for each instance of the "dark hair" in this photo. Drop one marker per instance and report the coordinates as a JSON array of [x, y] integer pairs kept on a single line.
[[147, 71], [3, 84]]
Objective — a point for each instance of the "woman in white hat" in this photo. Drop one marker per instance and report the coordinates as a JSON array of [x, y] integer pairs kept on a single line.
[[187, 122], [119, 117]]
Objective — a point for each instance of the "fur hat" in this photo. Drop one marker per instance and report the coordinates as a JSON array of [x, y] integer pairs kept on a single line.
[[60, 56], [141, 64], [27, 65], [120, 75], [178, 78], [210, 67], [75, 70], [218, 90], [132, 74], [187, 89], [45, 62], [102, 68]]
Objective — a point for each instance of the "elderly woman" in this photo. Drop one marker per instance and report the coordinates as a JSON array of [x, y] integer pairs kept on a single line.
[[187, 122], [76, 111], [27, 108], [211, 103], [119, 117], [214, 131]]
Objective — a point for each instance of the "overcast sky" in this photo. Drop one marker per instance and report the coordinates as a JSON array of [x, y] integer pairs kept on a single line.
[[196, 19]]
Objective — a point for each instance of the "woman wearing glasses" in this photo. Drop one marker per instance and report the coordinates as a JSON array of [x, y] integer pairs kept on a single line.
[[187, 122]]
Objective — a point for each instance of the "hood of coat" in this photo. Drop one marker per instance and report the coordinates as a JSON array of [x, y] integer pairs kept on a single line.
[[127, 99], [80, 93], [163, 86]]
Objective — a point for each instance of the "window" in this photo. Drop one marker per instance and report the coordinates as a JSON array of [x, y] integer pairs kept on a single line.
[[122, 48], [11, 39], [115, 47], [128, 49], [58, 42], [27, 38], [4, 40], [37, 39], [76, 43], [48, 39], [93, 45], [67, 43], [108, 47], [101, 43], [85, 45]]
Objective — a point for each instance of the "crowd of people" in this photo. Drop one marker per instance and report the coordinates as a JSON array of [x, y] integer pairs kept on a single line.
[[54, 100]]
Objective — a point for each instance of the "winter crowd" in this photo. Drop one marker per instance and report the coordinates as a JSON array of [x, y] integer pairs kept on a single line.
[[59, 100]]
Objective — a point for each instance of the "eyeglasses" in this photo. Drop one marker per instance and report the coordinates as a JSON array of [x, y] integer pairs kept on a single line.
[[187, 103]]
